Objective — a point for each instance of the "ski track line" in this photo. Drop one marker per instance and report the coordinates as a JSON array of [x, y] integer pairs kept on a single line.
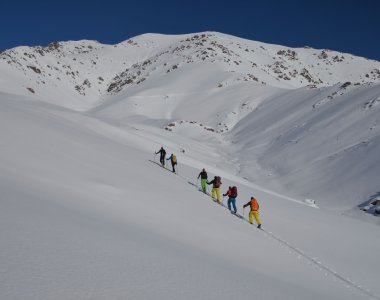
[[307, 257], [320, 265], [294, 249]]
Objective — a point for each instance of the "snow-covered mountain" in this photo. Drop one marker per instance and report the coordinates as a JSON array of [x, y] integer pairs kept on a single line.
[[90, 72], [85, 214], [305, 120]]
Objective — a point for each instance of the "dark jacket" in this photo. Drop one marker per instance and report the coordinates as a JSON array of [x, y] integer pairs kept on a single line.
[[162, 152], [203, 175], [214, 183]]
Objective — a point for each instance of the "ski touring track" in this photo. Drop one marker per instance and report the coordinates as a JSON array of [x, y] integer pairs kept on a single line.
[[293, 249], [164, 167]]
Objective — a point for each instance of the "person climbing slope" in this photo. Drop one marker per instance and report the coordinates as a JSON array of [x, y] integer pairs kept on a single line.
[[162, 156], [216, 183], [203, 176], [173, 160], [254, 211], [232, 194]]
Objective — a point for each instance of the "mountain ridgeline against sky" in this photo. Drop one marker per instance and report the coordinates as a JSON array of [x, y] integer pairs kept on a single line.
[[89, 71], [303, 120]]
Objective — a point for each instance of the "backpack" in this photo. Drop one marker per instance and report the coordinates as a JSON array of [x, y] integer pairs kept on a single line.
[[174, 159], [234, 192], [217, 182], [254, 205]]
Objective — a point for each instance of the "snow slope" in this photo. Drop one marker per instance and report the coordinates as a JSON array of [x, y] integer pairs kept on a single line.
[[86, 215], [324, 147]]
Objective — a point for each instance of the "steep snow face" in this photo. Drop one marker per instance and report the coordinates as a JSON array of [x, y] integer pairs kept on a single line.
[[324, 144], [82, 74]]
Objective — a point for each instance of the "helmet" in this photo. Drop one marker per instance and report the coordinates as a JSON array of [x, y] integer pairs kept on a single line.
[[203, 170]]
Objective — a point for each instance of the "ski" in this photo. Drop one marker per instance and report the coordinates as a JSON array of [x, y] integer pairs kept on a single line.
[[158, 164], [220, 203], [206, 193], [237, 215]]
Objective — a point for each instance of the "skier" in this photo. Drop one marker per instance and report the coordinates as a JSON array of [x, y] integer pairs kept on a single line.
[[232, 194], [173, 160], [162, 156], [203, 176], [254, 211], [216, 183], [376, 203]]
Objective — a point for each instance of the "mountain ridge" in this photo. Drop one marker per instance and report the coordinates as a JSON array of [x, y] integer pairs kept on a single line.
[[70, 67]]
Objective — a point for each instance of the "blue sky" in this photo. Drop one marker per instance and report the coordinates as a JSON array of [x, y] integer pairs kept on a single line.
[[348, 26]]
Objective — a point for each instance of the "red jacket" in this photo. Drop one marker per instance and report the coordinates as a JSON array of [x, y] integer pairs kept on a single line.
[[228, 193]]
